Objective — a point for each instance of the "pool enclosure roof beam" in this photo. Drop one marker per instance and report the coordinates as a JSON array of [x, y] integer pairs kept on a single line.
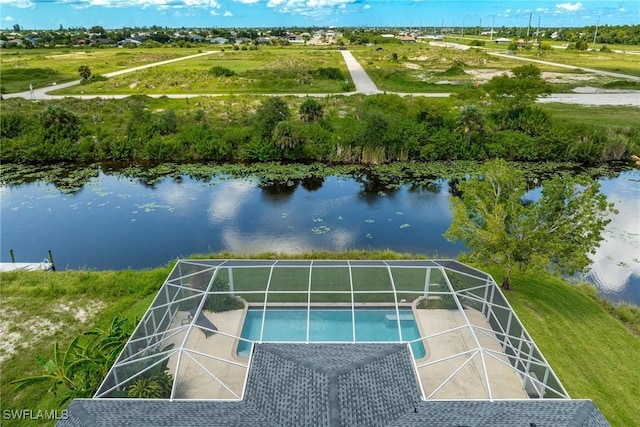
[[183, 285]]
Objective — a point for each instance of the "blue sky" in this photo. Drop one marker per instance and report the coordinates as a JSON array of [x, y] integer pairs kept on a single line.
[[50, 14]]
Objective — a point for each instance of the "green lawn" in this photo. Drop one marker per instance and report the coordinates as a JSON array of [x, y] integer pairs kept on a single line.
[[42, 67], [604, 116], [593, 354]]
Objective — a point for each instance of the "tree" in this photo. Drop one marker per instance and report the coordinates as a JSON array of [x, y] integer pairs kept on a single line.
[[272, 111], [286, 138], [520, 90], [558, 230], [84, 71], [470, 121], [59, 124], [310, 110]]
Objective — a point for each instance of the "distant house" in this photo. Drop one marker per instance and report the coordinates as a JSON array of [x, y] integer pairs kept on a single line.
[[294, 38], [241, 40], [264, 40], [502, 40], [100, 41], [387, 36], [128, 41], [196, 38], [218, 40], [407, 39]]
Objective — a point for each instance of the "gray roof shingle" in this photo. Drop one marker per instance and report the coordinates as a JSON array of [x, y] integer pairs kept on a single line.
[[333, 385]]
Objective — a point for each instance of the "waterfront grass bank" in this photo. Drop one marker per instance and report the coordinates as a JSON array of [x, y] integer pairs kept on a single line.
[[593, 353]]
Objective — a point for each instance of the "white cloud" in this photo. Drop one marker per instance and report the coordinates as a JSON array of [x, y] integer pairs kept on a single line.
[[160, 4], [213, 12], [366, 6], [8, 18], [22, 4], [247, 1], [622, 9], [568, 7], [227, 13], [314, 8]]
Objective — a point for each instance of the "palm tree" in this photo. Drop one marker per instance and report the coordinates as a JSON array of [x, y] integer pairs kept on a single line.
[[310, 110], [470, 121]]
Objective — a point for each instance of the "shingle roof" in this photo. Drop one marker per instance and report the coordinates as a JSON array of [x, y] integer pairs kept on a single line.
[[510, 413], [160, 413], [333, 385]]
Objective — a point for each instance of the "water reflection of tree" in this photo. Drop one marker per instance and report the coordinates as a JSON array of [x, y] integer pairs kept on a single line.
[[434, 186], [67, 180], [279, 191], [312, 183], [373, 185]]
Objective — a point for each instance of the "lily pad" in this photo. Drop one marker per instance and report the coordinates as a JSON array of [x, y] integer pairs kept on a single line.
[[322, 229]]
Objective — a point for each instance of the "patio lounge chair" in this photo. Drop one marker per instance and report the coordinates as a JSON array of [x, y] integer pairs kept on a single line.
[[203, 322]]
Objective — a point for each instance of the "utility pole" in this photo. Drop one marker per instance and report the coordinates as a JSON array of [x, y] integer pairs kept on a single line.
[[493, 21], [462, 35], [538, 32], [593, 47], [480, 27], [529, 26]]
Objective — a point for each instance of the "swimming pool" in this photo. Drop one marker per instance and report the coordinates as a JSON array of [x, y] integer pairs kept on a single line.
[[330, 325]]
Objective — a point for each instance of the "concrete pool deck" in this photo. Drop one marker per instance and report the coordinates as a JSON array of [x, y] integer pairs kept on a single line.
[[448, 332]]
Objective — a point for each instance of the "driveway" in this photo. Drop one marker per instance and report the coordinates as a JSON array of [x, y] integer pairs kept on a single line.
[[360, 78]]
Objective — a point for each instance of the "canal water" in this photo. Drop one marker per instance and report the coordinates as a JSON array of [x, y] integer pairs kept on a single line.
[[116, 222]]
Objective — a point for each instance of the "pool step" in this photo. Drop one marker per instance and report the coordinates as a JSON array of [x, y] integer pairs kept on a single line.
[[394, 317]]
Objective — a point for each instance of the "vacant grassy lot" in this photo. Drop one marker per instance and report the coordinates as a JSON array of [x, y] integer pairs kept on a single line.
[[266, 70], [607, 117], [605, 61], [422, 67], [594, 355], [42, 67]]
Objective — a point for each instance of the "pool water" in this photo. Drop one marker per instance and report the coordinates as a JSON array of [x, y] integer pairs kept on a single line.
[[330, 325]]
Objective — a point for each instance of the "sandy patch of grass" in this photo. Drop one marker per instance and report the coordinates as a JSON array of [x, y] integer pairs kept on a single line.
[[20, 328], [412, 66]]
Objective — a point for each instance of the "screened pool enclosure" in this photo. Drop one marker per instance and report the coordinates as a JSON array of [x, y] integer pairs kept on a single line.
[[467, 341]]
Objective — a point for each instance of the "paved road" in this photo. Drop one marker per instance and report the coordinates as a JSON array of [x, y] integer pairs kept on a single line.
[[360, 78]]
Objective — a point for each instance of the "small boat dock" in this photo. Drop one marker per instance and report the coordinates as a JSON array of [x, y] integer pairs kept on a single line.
[[44, 265]]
